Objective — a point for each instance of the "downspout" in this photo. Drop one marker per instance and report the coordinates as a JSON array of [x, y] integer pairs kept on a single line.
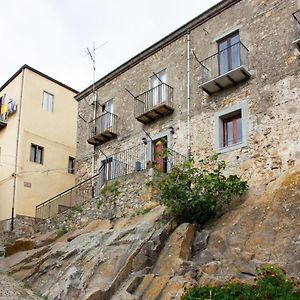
[[16, 156], [188, 97]]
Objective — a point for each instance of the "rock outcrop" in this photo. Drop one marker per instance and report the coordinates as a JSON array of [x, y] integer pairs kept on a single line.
[[149, 257]]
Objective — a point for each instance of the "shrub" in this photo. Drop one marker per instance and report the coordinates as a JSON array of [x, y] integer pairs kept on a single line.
[[111, 191], [194, 193], [271, 284]]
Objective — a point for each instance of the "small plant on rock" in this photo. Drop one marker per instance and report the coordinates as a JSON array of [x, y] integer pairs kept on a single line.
[[99, 204], [111, 191], [271, 284], [78, 209], [194, 193]]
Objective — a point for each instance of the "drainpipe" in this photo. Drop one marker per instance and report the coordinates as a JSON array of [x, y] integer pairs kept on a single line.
[[188, 97], [16, 156]]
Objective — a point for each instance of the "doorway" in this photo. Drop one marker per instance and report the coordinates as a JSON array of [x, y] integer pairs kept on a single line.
[[229, 53], [160, 154]]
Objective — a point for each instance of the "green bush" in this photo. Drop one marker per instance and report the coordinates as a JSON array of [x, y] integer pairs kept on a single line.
[[111, 191], [271, 284], [195, 193]]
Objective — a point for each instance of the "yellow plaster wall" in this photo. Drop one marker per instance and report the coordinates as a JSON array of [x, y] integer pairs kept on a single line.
[[8, 137], [56, 132]]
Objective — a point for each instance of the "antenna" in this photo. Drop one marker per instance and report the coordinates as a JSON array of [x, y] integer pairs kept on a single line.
[[92, 55]]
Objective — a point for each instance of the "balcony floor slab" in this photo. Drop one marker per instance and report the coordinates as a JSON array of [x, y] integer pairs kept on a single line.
[[227, 79], [155, 113]]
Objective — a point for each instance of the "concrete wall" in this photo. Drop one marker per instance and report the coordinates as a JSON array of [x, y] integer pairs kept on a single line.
[[54, 131], [8, 137], [270, 96]]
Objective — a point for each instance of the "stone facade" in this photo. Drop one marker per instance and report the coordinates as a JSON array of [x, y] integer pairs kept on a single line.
[[270, 95], [131, 195]]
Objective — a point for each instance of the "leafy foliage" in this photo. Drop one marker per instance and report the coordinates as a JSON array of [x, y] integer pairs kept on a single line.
[[271, 283], [195, 193], [111, 191]]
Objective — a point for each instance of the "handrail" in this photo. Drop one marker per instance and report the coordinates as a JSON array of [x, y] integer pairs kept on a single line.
[[296, 15], [103, 114], [226, 49], [119, 164], [68, 190], [148, 100], [155, 87], [219, 63]]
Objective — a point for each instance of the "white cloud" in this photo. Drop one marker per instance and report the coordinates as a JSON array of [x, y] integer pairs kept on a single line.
[[51, 35]]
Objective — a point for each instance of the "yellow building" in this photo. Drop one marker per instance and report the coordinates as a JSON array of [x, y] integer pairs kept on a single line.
[[37, 141]]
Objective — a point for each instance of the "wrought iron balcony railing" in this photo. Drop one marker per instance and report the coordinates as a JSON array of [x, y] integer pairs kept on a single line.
[[225, 68], [154, 103], [119, 164], [296, 42], [103, 128]]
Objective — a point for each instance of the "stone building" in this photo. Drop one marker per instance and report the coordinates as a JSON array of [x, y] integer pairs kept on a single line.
[[227, 81]]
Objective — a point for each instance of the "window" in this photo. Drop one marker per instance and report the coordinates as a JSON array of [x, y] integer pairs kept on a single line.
[[36, 154], [229, 53], [106, 118], [157, 89], [71, 165], [48, 102], [231, 130]]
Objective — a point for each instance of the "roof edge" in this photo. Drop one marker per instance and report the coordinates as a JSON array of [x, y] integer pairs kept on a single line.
[[162, 43], [39, 73]]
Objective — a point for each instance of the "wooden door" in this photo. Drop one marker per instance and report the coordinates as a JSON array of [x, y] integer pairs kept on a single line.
[[160, 160]]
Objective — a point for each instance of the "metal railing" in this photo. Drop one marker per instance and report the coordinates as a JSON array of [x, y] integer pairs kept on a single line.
[[106, 122], [296, 16], [224, 61], [122, 163], [67, 199], [161, 94]]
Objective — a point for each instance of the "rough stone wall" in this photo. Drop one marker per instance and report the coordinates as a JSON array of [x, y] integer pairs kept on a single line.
[[23, 225], [133, 197], [267, 29]]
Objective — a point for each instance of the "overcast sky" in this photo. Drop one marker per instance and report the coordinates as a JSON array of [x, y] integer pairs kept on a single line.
[[52, 35]]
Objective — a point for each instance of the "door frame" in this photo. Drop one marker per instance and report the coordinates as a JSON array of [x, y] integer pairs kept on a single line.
[[150, 145]]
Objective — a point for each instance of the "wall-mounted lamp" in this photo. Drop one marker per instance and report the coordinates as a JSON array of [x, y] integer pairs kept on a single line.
[[144, 140], [171, 130]]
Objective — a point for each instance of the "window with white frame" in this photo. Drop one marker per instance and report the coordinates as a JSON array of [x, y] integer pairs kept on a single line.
[[157, 89], [36, 154], [48, 102], [231, 130]]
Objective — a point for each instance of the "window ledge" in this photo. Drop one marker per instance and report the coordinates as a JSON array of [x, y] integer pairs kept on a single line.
[[231, 148]]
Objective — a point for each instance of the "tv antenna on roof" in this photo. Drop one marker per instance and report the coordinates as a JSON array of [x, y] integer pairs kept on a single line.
[[92, 55]]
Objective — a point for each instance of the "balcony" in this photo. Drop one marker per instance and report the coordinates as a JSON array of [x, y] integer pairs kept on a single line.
[[225, 68], [296, 42], [3, 120], [103, 129], [154, 104]]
